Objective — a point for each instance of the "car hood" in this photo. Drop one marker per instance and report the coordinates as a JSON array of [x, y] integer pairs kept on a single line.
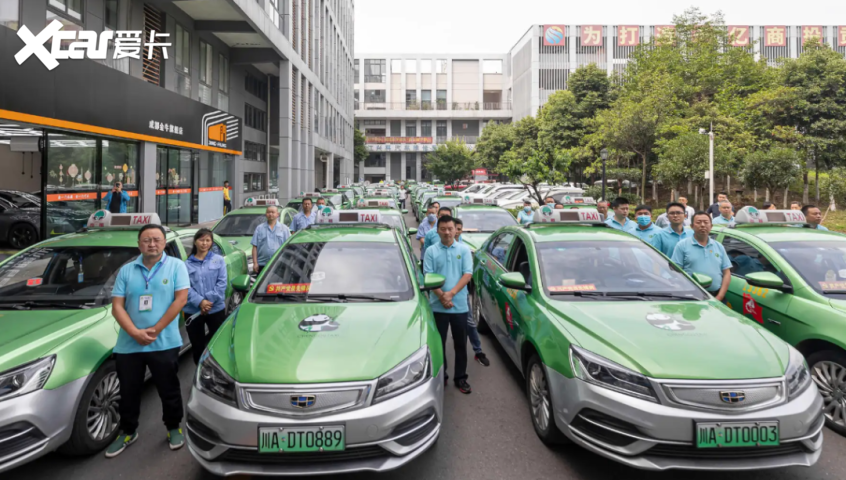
[[241, 243], [686, 340], [474, 240], [30, 334], [838, 304], [348, 342]]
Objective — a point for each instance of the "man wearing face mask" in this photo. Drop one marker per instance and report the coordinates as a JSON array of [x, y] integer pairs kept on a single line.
[[646, 230], [426, 225], [526, 216], [550, 201], [432, 237]]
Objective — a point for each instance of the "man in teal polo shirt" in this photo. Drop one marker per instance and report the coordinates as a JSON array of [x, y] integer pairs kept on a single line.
[[813, 217], [148, 295], [726, 216], [268, 238], [454, 261], [676, 232], [620, 219], [646, 230], [702, 254], [432, 237]]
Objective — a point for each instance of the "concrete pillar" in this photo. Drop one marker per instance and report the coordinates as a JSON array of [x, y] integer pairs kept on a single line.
[[147, 187], [304, 137], [418, 163], [330, 166], [449, 84], [286, 140], [609, 49], [402, 165], [449, 128], [361, 171]]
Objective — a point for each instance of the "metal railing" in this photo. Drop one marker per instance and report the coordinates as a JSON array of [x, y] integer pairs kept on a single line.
[[427, 106]]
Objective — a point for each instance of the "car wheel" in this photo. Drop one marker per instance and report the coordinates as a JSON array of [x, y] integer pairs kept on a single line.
[[481, 325], [828, 369], [22, 235], [540, 404], [234, 300], [96, 422]]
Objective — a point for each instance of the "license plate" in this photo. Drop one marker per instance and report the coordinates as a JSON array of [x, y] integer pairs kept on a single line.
[[301, 439], [737, 434]]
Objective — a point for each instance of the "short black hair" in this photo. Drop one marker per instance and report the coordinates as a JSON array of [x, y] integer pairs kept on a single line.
[[151, 226], [643, 207], [767, 205], [457, 221], [445, 209], [619, 201], [807, 207], [675, 204], [225, 182], [446, 219], [701, 213], [723, 193], [200, 234], [795, 202]]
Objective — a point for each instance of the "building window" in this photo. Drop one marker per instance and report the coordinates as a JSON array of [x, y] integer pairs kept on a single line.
[[374, 71], [206, 64], [375, 160], [440, 66], [256, 87], [425, 128], [492, 66], [411, 129], [425, 66], [253, 182], [374, 96], [426, 99], [356, 98], [10, 14], [442, 99], [223, 83], [411, 99], [255, 118], [357, 71], [71, 8], [256, 152], [441, 129], [183, 50], [396, 66], [411, 66], [111, 16]]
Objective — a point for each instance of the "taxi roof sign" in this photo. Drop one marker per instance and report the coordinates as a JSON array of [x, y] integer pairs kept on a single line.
[[572, 200], [328, 215], [547, 214], [309, 195], [381, 193], [478, 201], [330, 190], [448, 194], [388, 202], [106, 219], [261, 202], [752, 216]]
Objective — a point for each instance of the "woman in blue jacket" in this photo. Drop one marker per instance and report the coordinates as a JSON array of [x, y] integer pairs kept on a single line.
[[207, 295]]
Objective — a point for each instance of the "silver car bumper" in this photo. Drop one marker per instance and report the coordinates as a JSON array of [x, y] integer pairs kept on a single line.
[[380, 437], [652, 436], [37, 423]]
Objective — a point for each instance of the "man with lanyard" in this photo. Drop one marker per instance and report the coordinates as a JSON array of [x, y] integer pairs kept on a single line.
[[472, 328], [454, 261], [676, 232], [426, 225], [702, 254], [116, 199], [602, 208], [813, 217], [267, 238], [304, 218], [726, 216], [620, 219], [227, 200], [646, 230], [432, 236], [148, 295]]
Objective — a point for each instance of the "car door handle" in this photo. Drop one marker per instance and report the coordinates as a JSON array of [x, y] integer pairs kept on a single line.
[[773, 321]]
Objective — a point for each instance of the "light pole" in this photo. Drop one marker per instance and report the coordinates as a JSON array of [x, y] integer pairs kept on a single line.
[[604, 155], [710, 162]]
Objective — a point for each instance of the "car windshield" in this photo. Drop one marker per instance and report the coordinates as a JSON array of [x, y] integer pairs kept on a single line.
[[608, 268], [74, 275], [339, 270], [822, 264], [507, 193], [449, 203], [239, 225], [485, 221], [350, 195], [296, 204], [395, 221], [335, 199]]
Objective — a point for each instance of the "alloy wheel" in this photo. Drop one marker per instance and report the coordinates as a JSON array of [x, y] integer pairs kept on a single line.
[[103, 414], [830, 378], [539, 397], [21, 237]]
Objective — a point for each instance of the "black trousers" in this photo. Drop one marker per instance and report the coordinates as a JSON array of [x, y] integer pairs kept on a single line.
[[458, 323], [164, 368], [227, 206], [197, 331]]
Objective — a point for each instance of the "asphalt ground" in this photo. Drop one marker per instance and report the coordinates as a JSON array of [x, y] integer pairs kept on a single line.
[[485, 435]]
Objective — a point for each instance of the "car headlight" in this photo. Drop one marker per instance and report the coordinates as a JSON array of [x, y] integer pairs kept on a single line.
[[798, 376], [215, 382], [412, 372], [605, 373], [26, 378]]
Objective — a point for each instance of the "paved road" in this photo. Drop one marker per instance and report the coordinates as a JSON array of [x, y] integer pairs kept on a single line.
[[486, 435]]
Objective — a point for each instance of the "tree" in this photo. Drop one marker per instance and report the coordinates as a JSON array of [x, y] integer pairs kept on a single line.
[[834, 187], [360, 154], [773, 169], [685, 159], [532, 160], [496, 139], [451, 161]]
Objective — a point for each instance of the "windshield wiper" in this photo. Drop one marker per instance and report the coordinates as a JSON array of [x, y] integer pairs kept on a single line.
[[343, 297], [30, 304], [835, 291], [650, 294], [599, 295]]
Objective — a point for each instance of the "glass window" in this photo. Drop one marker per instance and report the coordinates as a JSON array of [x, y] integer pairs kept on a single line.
[[120, 164], [375, 160], [253, 182], [745, 258], [111, 16], [206, 63], [396, 66], [425, 128], [374, 71], [183, 50], [425, 66], [68, 25], [411, 129], [255, 151], [10, 14], [442, 99], [498, 248], [357, 70], [822, 264], [442, 128], [223, 73], [492, 66], [238, 225], [70, 8], [71, 182], [339, 269], [440, 66], [411, 97], [374, 96], [426, 99], [411, 66], [484, 221]]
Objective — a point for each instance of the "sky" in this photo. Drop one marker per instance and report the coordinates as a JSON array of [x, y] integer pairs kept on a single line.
[[494, 26]]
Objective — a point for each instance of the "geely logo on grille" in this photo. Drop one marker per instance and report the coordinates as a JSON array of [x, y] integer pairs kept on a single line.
[[732, 396], [302, 401]]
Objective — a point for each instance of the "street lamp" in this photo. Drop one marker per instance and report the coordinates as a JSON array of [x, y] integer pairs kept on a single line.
[[710, 134], [604, 155]]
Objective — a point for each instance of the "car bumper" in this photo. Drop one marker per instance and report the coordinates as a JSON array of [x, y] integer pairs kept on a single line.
[[652, 436], [380, 437], [37, 423]]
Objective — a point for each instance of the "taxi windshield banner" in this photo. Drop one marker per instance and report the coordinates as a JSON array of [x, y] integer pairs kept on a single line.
[[274, 288]]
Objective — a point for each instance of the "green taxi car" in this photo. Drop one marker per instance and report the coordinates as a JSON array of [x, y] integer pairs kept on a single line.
[[336, 199], [332, 364], [422, 196], [237, 227], [792, 281], [376, 200], [58, 384], [628, 357], [481, 217]]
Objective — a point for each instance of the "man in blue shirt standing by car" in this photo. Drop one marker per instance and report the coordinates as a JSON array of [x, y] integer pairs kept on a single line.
[[148, 295], [620, 219], [646, 230], [702, 254], [304, 218], [454, 261], [267, 238], [676, 232]]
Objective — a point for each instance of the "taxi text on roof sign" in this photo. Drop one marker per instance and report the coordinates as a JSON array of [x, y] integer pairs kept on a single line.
[[261, 202], [548, 214], [751, 215], [376, 203], [478, 201], [106, 219], [309, 195], [329, 215]]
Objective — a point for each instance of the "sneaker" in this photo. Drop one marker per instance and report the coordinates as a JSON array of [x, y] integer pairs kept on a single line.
[[175, 439], [119, 445], [483, 359], [463, 386]]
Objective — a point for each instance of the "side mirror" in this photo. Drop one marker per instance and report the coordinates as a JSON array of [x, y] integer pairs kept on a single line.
[[412, 231], [241, 283], [765, 280], [514, 280], [404, 211], [703, 280], [432, 281]]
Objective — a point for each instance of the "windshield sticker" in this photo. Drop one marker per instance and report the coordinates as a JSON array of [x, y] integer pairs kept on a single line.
[[318, 323], [833, 285], [589, 287], [842, 273], [288, 287], [667, 322], [830, 276], [318, 276], [34, 282]]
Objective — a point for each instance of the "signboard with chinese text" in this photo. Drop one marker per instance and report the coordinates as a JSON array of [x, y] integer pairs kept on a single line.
[[739, 35], [591, 36], [554, 35], [775, 36], [383, 140], [405, 148], [628, 35], [812, 32], [841, 36], [662, 30]]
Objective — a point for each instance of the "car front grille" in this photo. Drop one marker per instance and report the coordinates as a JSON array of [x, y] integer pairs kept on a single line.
[[691, 452], [303, 401], [349, 455], [726, 397], [17, 438]]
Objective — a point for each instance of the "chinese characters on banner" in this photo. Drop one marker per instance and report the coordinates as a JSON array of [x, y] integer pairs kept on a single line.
[[591, 36], [661, 30], [165, 127], [628, 35], [841, 36], [775, 36], [812, 32], [739, 35], [553, 35], [411, 140]]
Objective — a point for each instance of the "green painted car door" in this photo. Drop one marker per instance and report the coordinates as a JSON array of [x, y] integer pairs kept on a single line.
[[490, 291], [763, 305], [515, 303]]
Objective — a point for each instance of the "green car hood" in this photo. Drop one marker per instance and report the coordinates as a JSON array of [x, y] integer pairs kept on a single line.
[[30, 334], [838, 304], [241, 243], [685, 340], [362, 342], [474, 240]]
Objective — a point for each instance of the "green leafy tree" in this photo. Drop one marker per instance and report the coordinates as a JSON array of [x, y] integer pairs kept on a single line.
[[532, 159], [774, 169], [833, 187], [685, 159], [451, 161], [360, 153], [496, 139]]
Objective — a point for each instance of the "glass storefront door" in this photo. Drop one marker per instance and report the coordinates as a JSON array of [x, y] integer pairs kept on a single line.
[[174, 186]]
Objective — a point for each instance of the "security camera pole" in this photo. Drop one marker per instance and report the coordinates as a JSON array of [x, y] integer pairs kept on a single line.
[[710, 162]]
